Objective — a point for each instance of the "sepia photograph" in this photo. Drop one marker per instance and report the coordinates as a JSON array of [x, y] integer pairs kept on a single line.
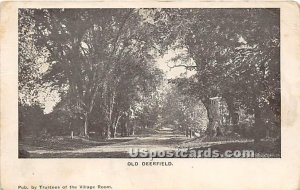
[[149, 83]]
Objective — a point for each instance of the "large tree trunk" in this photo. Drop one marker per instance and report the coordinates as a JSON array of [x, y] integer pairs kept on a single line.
[[113, 131], [209, 130], [108, 134], [86, 123], [133, 129], [115, 126], [85, 126], [124, 124]]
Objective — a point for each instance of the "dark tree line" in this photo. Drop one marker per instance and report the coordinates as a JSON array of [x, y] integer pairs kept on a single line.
[[236, 55], [101, 61]]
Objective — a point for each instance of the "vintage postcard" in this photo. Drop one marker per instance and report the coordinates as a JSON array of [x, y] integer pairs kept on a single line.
[[150, 95]]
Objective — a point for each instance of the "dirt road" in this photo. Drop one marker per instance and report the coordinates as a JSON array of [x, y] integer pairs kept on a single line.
[[164, 139]]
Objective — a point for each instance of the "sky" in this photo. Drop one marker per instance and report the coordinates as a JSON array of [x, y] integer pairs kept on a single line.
[[165, 62]]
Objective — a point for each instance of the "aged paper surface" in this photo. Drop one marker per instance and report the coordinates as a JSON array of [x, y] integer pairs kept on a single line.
[[116, 173]]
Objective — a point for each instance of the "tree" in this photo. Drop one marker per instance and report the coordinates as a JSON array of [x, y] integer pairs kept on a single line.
[[30, 61], [235, 51], [31, 120], [91, 54], [184, 112]]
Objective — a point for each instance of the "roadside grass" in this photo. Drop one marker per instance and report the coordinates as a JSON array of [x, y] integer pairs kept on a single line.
[[66, 143], [83, 155], [206, 140], [263, 149]]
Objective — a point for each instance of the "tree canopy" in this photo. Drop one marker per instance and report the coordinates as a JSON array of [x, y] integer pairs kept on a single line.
[[102, 63]]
